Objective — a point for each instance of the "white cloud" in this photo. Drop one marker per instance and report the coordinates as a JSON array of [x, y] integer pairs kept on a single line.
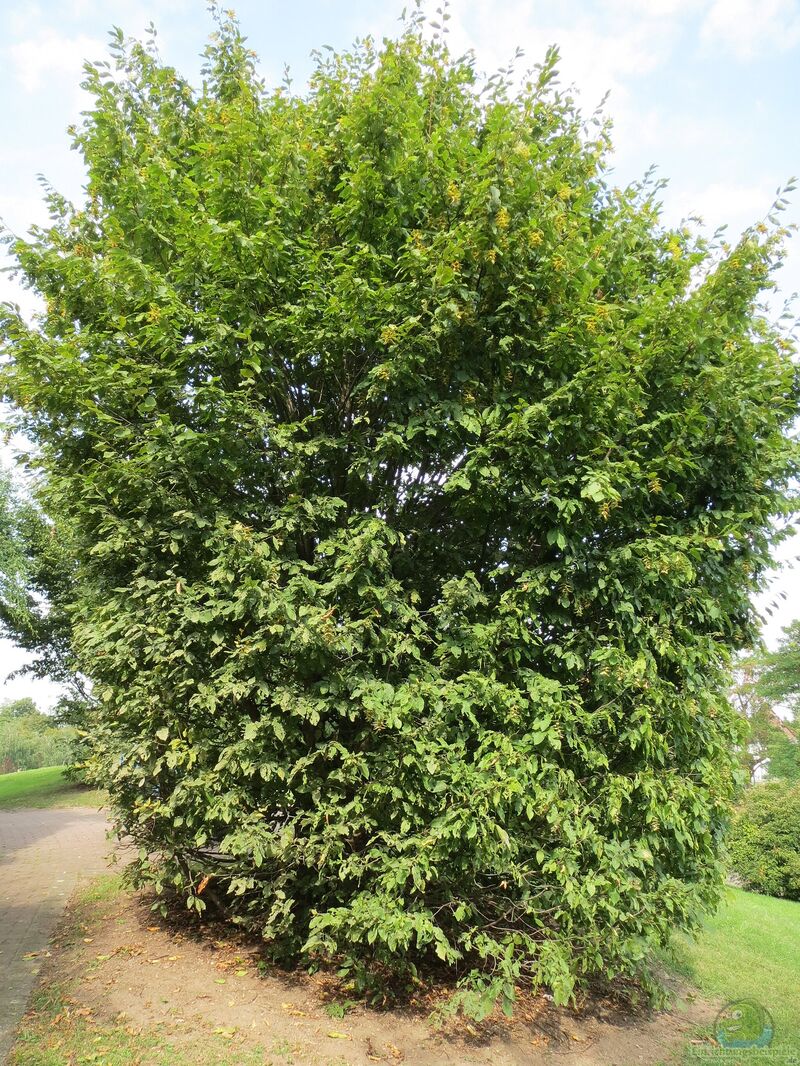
[[601, 45], [777, 604], [750, 28], [18, 213], [20, 19], [684, 132], [656, 9], [12, 292], [40, 60], [605, 48], [738, 205]]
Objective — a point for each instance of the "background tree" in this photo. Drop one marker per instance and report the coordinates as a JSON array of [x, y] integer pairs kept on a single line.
[[765, 839], [779, 673], [37, 585], [416, 481], [770, 746], [21, 708], [30, 739], [766, 687]]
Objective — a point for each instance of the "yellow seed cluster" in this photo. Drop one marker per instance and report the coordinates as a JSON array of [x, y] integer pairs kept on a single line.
[[453, 193], [503, 218], [674, 247]]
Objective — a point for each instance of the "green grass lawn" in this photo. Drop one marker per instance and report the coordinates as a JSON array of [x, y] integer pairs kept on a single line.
[[47, 787], [751, 950]]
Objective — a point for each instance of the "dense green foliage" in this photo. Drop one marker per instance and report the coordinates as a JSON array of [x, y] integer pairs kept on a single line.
[[417, 480], [30, 739], [765, 839]]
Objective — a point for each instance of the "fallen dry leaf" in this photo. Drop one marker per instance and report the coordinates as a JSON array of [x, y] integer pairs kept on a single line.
[[294, 1011]]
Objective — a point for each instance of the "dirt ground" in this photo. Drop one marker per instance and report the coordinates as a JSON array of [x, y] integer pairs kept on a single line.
[[123, 965]]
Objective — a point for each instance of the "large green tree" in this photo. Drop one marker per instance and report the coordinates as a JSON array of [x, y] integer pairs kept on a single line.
[[417, 480]]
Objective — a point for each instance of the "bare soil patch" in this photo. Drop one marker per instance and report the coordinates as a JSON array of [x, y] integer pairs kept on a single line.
[[121, 965]]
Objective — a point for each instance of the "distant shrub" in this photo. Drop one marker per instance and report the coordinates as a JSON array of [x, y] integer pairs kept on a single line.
[[765, 840]]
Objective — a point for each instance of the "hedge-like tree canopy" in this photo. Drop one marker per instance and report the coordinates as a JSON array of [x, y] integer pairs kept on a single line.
[[418, 480]]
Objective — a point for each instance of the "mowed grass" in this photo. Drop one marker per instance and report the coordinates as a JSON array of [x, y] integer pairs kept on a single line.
[[750, 949], [47, 787]]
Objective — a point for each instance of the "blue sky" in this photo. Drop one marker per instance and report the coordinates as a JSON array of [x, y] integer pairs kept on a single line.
[[707, 90]]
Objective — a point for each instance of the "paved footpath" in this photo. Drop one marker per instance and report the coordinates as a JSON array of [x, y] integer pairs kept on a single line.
[[43, 856]]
